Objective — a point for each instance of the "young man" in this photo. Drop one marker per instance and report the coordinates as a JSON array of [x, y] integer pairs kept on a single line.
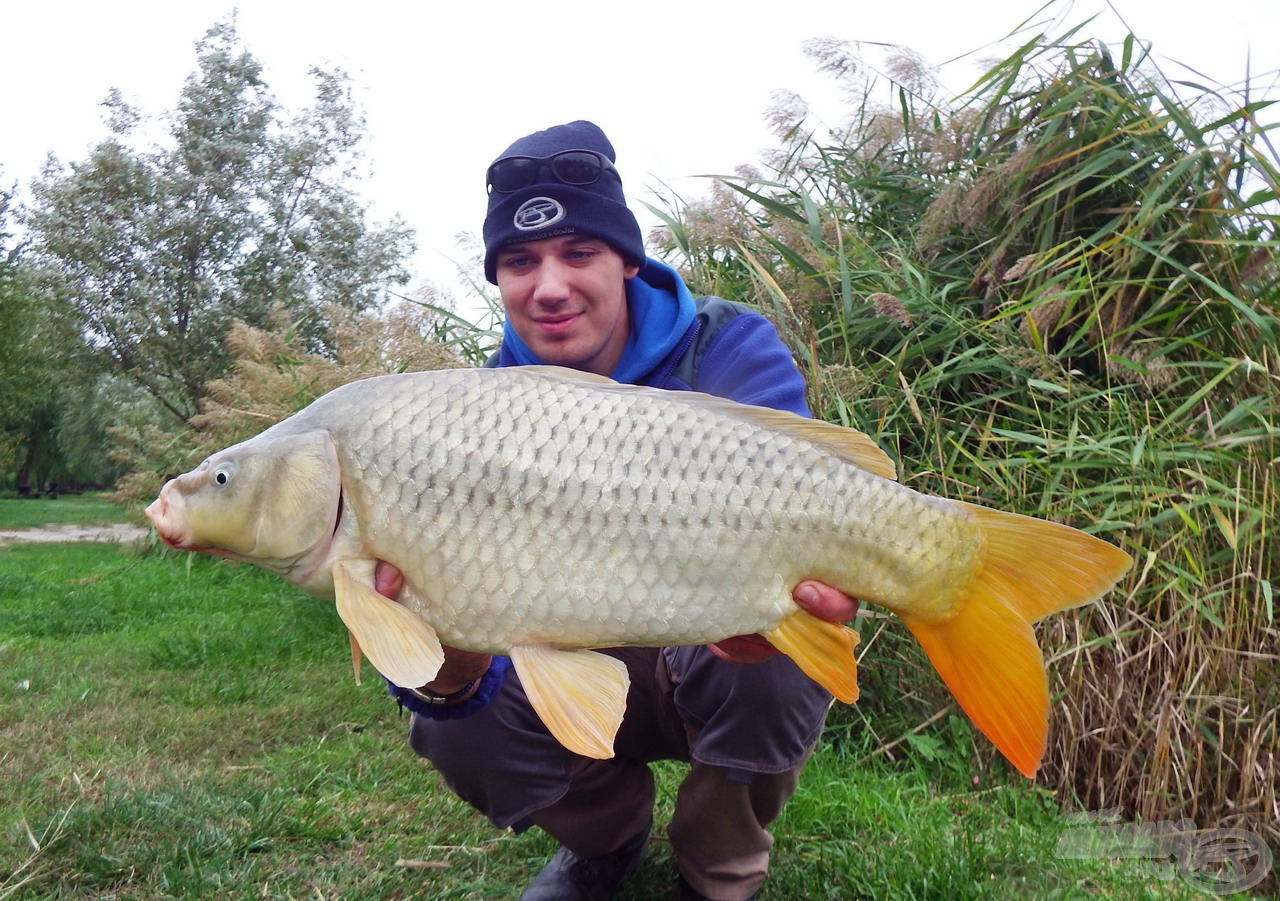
[[568, 259]]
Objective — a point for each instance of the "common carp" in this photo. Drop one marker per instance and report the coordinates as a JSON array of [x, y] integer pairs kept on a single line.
[[540, 512]]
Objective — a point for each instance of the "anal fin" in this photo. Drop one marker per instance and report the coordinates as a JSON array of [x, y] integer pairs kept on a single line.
[[398, 642], [823, 651], [581, 696]]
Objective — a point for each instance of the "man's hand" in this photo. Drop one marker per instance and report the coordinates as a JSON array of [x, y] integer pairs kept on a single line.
[[459, 668], [817, 598]]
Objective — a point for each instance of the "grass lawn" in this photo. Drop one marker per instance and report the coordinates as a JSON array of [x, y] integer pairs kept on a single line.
[[173, 726], [70, 509]]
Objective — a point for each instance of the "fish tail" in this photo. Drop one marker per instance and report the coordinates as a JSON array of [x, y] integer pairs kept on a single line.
[[986, 652]]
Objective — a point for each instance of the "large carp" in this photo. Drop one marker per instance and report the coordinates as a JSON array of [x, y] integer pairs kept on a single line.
[[540, 512]]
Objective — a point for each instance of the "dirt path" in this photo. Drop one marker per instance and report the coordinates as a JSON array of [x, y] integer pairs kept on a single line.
[[116, 532]]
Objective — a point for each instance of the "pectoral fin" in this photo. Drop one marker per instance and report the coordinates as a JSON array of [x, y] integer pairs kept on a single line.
[[822, 650], [580, 695], [402, 645]]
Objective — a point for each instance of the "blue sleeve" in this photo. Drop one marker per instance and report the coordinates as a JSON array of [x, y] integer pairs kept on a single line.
[[748, 362]]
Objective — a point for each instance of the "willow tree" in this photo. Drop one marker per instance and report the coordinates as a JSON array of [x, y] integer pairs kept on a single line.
[[24, 388], [154, 252]]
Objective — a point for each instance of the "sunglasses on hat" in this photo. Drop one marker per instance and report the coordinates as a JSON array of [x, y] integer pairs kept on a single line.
[[572, 167]]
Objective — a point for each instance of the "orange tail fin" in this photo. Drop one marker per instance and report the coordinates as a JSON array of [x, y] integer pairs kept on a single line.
[[986, 653]]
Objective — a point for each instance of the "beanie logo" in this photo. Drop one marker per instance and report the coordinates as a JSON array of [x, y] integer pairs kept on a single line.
[[538, 212]]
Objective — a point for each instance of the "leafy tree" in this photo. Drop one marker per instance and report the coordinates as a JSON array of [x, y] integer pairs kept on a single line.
[[12, 325], [25, 391], [54, 404], [154, 253]]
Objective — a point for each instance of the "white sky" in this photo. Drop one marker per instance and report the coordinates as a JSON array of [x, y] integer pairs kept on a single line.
[[679, 87]]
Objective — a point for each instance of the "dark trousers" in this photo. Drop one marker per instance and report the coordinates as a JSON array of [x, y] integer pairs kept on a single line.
[[746, 729]]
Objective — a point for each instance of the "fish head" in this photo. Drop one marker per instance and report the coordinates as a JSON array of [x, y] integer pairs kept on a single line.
[[271, 501]]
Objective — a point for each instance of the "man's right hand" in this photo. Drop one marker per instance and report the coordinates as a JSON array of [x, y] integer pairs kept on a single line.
[[460, 668]]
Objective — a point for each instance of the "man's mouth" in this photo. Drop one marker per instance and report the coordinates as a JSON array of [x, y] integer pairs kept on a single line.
[[557, 324]]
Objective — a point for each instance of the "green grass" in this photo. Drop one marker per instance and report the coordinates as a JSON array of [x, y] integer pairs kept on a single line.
[[177, 727], [78, 509]]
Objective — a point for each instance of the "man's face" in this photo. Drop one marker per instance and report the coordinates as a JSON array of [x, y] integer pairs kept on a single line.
[[566, 298]]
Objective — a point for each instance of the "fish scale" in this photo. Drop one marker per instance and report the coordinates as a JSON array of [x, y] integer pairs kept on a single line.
[[538, 512]]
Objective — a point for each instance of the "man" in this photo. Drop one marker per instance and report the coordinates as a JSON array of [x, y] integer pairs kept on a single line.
[[568, 259]]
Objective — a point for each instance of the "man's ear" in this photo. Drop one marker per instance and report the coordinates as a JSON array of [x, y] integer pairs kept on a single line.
[[630, 272]]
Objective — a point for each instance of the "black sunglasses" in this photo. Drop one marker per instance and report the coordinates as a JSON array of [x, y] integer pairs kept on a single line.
[[572, 167]]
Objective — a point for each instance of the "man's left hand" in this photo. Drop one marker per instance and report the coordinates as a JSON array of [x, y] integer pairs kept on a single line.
[[816, 598]]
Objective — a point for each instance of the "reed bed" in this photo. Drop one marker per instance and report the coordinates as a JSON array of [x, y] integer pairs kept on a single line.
[[1056, 294]]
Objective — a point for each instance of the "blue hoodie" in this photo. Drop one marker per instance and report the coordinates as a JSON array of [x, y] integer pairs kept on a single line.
[[742, 358]]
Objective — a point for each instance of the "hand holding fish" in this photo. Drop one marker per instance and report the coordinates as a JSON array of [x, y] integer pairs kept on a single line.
[[814, 597], [460, 668]]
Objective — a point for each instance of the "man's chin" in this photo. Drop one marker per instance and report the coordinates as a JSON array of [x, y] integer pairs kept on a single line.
[[559, 353]]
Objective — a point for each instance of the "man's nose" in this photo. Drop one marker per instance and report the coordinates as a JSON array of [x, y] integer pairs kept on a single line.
[[552, 283]]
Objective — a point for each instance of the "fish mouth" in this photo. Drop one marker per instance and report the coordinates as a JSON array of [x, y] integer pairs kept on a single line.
[[163, 512]]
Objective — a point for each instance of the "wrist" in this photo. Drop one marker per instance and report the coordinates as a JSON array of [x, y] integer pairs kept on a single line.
[[434, 693], [488, 684]]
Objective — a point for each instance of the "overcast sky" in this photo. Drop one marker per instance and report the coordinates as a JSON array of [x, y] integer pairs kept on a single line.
[[680, 87]]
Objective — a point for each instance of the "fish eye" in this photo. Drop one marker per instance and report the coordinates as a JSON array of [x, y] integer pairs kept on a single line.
[[222, 475]]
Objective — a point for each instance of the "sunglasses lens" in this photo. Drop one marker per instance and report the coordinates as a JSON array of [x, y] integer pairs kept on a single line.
[[570, 167], [577, 167], [513, 174]]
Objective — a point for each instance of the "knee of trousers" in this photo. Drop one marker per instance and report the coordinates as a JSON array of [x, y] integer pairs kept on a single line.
[[497, 761], [503, 761], [761, 718]]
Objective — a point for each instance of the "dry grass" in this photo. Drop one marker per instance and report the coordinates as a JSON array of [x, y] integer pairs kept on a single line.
[[271, 378]]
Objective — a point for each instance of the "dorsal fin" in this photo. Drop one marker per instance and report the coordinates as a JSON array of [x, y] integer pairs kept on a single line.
[[847, 444]]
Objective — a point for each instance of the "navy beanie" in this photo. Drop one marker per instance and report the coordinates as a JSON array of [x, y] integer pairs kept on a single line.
[[549, 208]]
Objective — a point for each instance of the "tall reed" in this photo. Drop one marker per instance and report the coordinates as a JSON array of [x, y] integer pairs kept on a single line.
[[1059, 296]]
